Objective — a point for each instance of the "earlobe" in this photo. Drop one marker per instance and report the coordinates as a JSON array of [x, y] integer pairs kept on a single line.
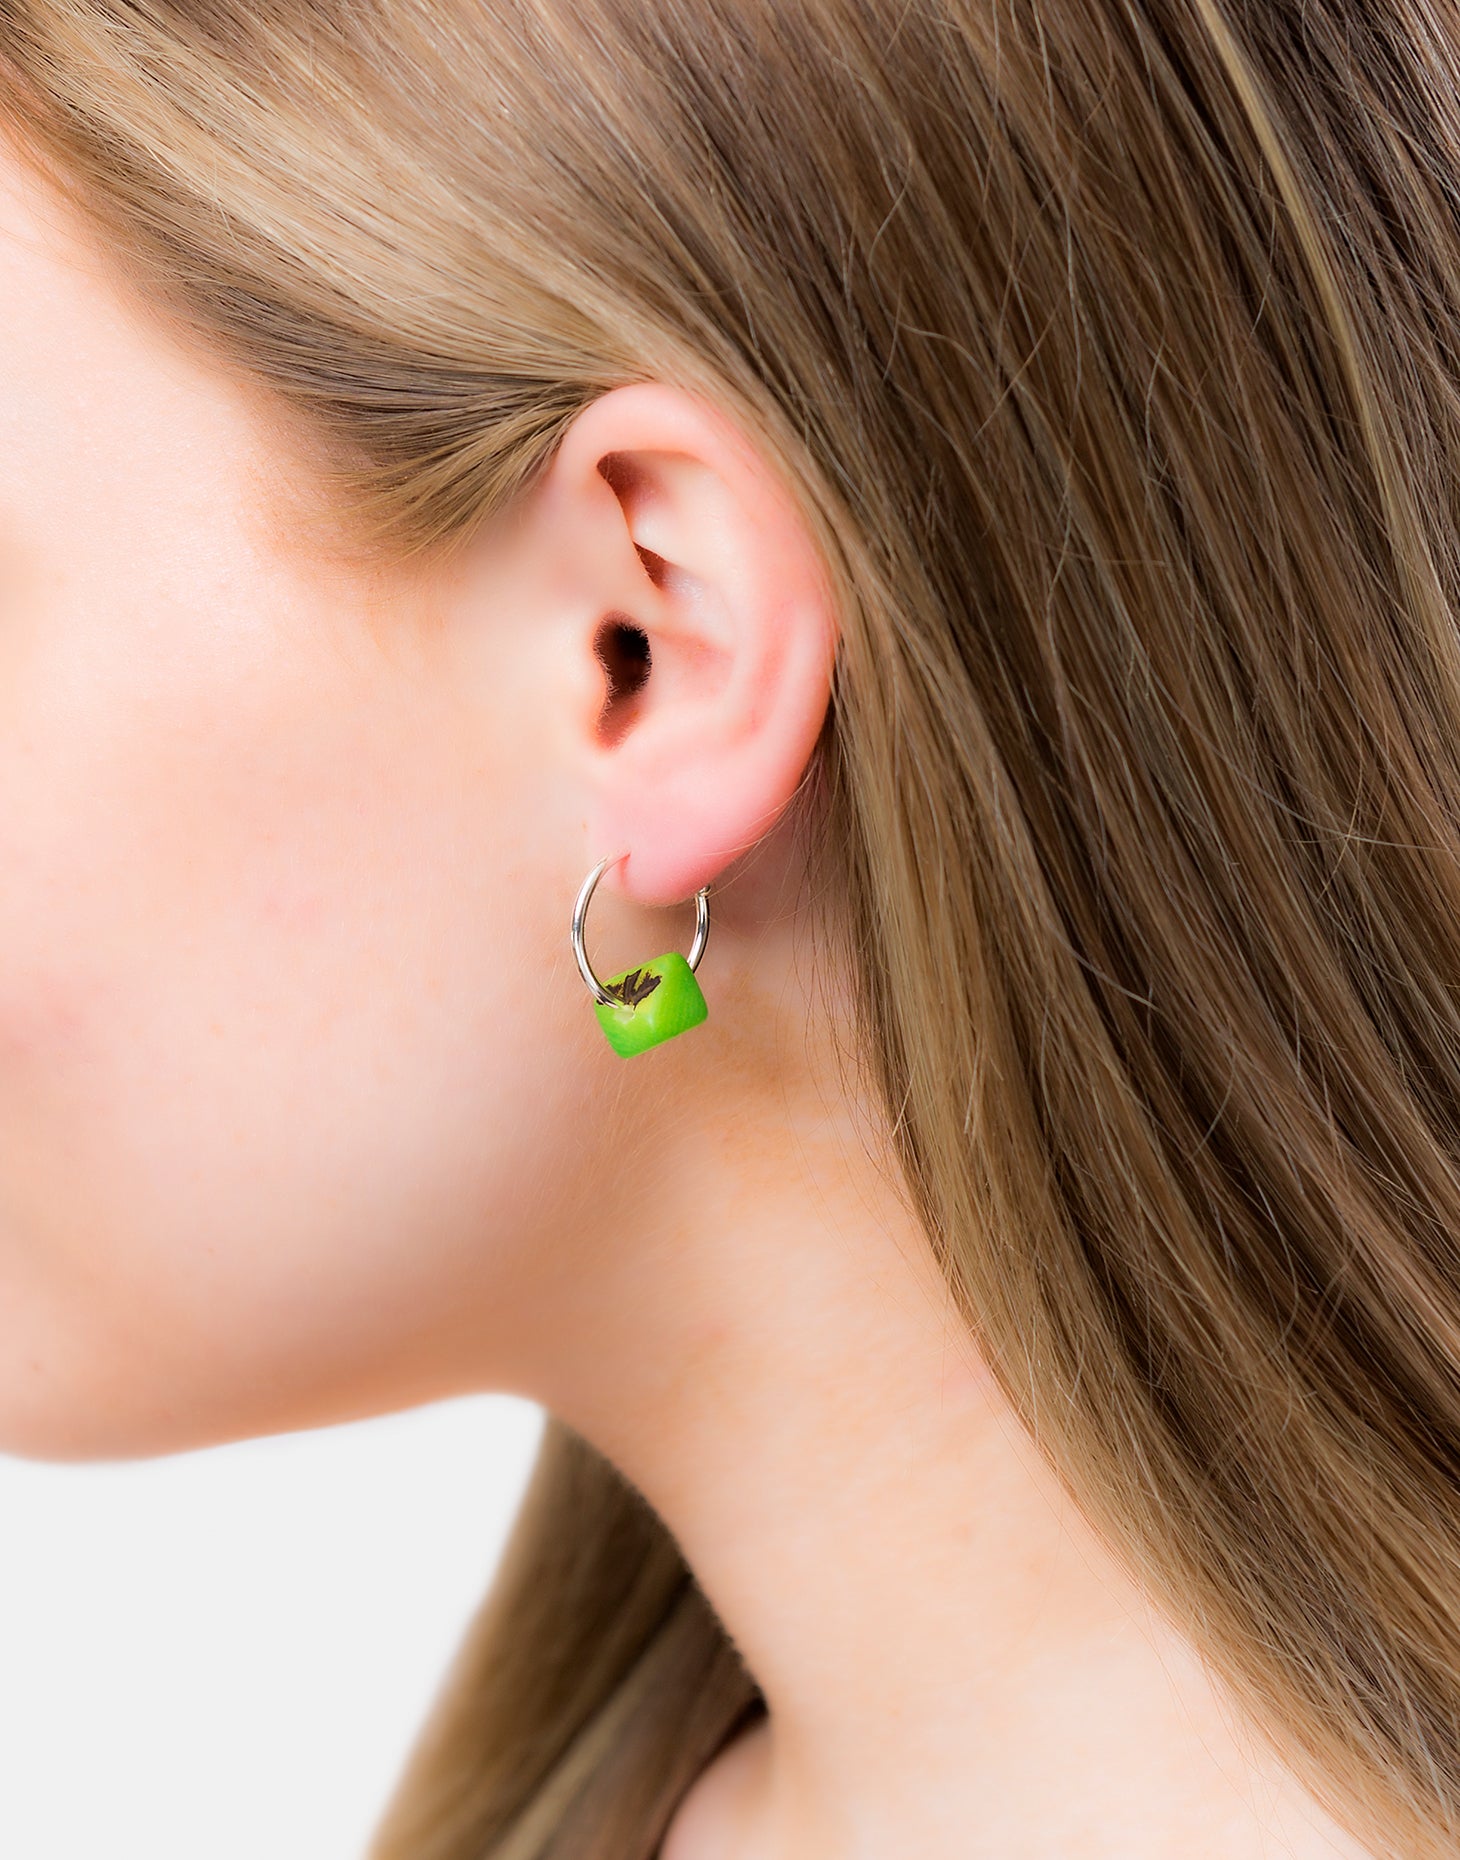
[[709, 615]]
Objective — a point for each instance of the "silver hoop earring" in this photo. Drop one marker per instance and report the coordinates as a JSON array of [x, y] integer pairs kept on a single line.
[[644, 1006]]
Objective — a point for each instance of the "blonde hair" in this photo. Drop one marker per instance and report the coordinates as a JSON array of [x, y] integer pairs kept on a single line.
[[1111, 350]]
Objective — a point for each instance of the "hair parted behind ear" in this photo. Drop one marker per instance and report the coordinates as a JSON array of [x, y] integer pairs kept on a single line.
[[1109, 350], [594, 1685]]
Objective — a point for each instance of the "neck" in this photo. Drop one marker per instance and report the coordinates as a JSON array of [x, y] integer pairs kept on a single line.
[[943, 1643]]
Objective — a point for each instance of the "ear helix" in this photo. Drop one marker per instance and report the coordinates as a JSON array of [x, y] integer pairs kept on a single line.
[[644, 1006]]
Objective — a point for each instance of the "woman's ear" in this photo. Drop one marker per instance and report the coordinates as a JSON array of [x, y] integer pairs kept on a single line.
[[697, 590]]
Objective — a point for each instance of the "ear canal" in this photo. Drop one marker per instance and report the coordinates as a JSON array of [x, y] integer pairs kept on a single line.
[[622, 649]]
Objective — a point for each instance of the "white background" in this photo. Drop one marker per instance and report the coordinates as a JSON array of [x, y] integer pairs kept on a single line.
[[226, 1655]]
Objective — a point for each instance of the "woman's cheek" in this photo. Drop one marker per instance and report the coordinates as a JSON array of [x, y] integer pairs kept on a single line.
[[160, 994]]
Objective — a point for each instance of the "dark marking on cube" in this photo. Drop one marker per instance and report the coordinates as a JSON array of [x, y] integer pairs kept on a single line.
[[635, 987]]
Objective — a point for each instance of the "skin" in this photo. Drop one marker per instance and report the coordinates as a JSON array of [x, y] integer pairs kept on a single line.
[[305, 1115]]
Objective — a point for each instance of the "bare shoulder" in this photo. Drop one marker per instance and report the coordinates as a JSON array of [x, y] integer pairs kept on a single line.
[[716, 1818]]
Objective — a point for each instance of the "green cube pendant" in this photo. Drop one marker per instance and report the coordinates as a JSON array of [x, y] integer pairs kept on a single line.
[[652, 1003]]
